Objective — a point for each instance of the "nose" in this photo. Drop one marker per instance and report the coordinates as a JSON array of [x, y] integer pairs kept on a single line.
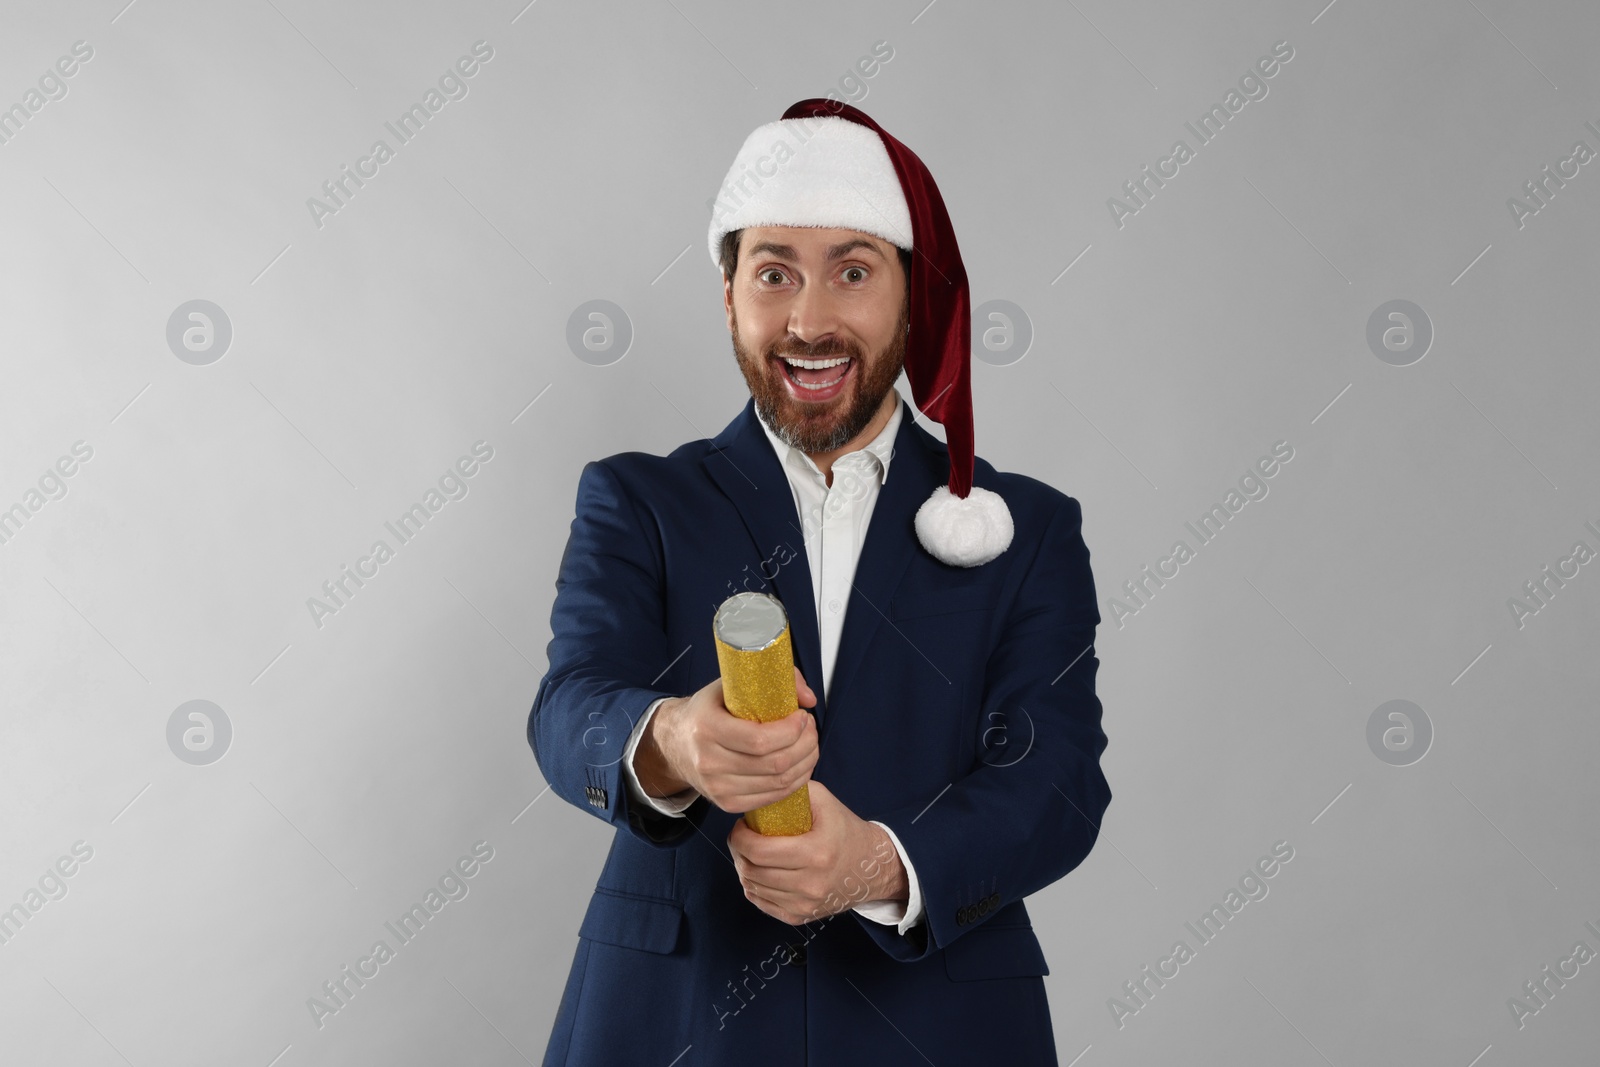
[[814, 316]]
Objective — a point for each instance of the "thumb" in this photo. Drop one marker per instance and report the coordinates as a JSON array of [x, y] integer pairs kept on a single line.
[[803, 693]]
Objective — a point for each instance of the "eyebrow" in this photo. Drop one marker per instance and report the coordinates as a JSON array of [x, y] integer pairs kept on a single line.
[[771, 248]]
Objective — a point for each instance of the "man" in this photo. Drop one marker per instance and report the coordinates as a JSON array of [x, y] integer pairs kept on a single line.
[[946, 718]]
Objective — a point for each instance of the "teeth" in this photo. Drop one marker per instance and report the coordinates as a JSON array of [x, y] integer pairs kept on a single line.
[[815, 364]]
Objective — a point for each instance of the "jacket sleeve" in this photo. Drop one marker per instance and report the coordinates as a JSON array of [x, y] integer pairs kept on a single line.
[[608, 647], [1012, 826]]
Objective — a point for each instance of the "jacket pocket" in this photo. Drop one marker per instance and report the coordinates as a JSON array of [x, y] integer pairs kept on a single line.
[[647, 923], [990, 951]]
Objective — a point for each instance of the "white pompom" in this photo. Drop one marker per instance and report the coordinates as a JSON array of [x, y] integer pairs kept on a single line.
[[964, 532]]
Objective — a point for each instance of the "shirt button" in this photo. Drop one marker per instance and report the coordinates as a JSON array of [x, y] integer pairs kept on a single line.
[[833, 605]]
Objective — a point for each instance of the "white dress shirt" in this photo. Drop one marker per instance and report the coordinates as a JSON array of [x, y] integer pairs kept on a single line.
[[834, 523]]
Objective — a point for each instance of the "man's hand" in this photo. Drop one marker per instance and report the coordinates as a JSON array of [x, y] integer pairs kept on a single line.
[[842, 861], [735, 763]]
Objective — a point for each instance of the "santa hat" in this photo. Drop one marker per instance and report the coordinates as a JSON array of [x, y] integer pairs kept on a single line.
[[827, 164]]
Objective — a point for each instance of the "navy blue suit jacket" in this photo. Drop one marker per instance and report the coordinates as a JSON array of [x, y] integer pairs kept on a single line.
[[962, 713]]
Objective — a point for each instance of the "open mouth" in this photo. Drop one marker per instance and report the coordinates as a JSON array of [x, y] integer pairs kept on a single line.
[[816, 379]]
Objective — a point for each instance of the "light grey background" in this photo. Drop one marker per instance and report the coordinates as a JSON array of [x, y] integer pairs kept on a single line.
[[431, 312]]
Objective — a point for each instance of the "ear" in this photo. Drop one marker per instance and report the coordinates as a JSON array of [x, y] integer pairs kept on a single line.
[[727, 300]]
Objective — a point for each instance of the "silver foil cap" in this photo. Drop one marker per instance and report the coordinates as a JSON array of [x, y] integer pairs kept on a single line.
[[750, 622]]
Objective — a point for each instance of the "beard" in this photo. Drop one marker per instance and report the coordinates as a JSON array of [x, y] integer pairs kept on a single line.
[[829, 425]]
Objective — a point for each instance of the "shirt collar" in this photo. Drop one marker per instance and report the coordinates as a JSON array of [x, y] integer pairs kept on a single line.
[[880, 448]]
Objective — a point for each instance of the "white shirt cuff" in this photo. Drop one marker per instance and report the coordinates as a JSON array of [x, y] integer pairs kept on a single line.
[[891, 912], [672, 805]]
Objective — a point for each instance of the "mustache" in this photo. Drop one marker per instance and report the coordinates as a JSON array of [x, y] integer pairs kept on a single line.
[[820, 350]]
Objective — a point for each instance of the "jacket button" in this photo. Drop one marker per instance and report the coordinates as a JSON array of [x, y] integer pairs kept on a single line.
[[797, 952]]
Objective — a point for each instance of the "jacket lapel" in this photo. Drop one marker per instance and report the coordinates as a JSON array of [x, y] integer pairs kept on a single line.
[[746, 469], [744, 466], [917, 467]]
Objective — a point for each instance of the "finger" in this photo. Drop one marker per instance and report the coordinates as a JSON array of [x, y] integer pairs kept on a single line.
[[803, 754], [802, 734], [774, 883], [772, 859], [768, 907], [759, 738], [803, 692], [741, 801], [764, 880], [775, 887], [787, 907], [749, 848], [753, 789]]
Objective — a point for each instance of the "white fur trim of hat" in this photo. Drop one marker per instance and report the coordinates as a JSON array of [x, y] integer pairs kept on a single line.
[[820, 171]]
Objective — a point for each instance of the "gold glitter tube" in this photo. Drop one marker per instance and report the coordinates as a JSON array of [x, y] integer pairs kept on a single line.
[[752, 635]]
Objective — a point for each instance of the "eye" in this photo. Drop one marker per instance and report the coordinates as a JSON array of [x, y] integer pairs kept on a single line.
[[769, 272], [857, 270]]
